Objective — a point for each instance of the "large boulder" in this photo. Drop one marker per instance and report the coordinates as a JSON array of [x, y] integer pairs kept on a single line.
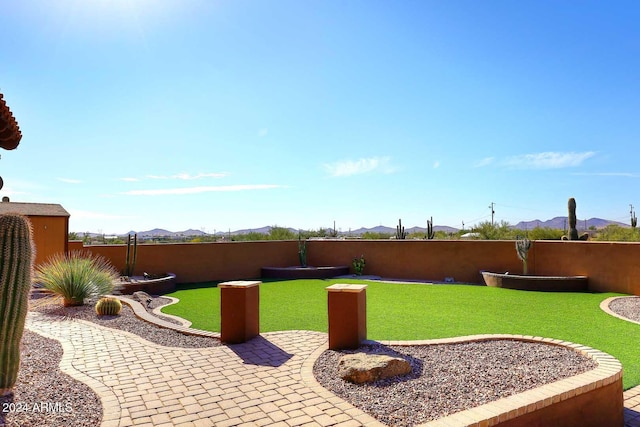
[[143, 298], [361, 368]]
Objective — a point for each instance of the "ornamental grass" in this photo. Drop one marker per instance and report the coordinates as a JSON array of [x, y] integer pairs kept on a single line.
[[77, 276]]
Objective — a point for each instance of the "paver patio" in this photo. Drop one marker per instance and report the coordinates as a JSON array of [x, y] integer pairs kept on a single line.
[[145, 384], [266, 381]]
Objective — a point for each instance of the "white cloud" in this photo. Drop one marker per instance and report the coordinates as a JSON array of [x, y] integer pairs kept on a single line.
[[129, 179], [622, 174], [484, 162], [188, 177], [357, 167], [69, 180], [203, 189], [548, 160]]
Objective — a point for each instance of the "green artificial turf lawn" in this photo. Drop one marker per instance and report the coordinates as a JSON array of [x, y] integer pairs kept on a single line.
[[416, 311]]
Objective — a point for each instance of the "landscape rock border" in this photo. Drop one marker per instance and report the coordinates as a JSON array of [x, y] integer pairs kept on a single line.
[[608, 373], [605, 306]]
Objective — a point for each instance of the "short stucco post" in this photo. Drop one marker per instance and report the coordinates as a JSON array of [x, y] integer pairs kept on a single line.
[[239, 311], [347, 315]]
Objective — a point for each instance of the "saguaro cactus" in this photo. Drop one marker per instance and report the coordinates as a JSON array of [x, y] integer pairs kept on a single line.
[[130, 262], [573, 231], [16, 265], [430, 233], [400, 234]]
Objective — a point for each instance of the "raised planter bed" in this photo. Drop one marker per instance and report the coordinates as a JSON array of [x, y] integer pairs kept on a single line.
[[536, 283], [159, 286], [304, 272]]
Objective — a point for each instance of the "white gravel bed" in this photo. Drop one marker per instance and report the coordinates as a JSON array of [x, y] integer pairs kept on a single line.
[[628, 307], [449, 378]]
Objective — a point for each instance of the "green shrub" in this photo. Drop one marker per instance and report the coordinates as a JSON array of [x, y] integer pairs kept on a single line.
[[77, 276], [358, 265]]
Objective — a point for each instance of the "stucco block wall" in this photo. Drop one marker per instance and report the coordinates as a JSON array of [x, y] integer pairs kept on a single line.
[[611, 267], [202, 262]]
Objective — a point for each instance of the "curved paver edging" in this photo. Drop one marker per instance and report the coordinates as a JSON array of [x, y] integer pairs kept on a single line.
[[158, 312], [608, 371], [143, 314], [604, 306]]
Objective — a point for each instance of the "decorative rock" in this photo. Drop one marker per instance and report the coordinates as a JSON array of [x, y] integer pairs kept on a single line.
[[143, 298], [366, 368]]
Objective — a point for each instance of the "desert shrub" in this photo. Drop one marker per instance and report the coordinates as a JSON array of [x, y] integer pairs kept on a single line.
[[77, 276]]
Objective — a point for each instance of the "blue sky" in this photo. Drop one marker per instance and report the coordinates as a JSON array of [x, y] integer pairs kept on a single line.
[[220, 115]]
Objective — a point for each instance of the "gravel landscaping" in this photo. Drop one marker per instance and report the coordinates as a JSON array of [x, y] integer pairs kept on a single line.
[[127, 321], [449, 378], [628, 307]]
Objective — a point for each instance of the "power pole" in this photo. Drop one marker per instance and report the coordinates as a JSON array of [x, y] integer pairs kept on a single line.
[[493, 212]]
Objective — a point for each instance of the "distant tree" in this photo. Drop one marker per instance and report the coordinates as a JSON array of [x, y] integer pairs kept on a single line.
[[443, 235], [281, 233], [499, 231], [73, 236], [372, 235], [616, 233], [544, 233]]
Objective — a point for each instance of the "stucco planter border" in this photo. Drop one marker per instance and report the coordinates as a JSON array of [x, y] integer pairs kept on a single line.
[[160, 286], [536, 283], [304, 272]]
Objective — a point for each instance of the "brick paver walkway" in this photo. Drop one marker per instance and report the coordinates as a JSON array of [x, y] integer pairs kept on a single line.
[[266, 381], [144, 384]]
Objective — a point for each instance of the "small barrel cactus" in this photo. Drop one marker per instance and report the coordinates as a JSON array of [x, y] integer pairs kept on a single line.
[[108, 306], [16, 265]]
